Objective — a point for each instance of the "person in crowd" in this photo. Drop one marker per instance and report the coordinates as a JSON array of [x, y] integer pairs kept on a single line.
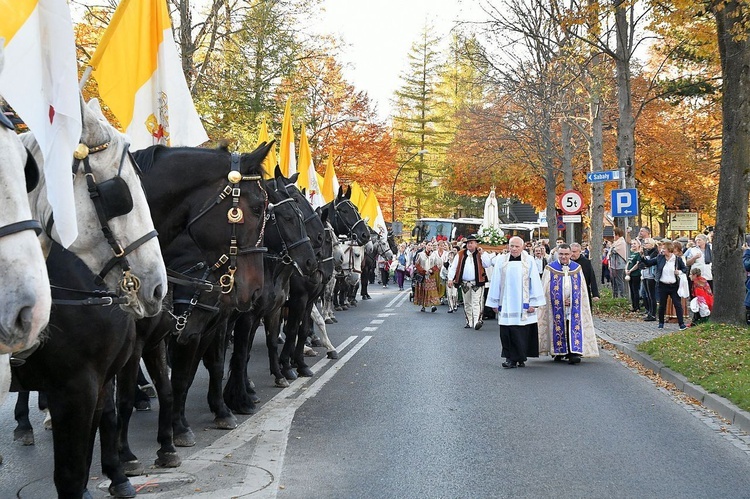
[[515, 294], [540, 260], [701, 257], [633, 275], [529, 247], [566, 326], [576, 255], [746, 264], [643, 234], [443, 254], [401, 266], [606, 247], [451, 292], [467, 270], [384, 267], [702, 294], [586, 252], [667, 275], [618, 257], [649, 250], [427, 267], [553, 253]]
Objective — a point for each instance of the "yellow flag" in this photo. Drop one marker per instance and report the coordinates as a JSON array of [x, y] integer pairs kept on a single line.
[[305, 161], [269, 163], [330, 182], [287, 161], [140, 77], [370, 209], [358, 196]]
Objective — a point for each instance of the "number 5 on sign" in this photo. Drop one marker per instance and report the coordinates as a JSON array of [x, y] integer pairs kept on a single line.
[[570, 202]]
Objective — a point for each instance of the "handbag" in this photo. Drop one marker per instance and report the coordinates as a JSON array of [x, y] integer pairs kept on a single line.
[[400, 266], [683, 291], [418, 278]]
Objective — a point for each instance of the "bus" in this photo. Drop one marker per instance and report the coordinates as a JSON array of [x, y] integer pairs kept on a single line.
[[454, 228]]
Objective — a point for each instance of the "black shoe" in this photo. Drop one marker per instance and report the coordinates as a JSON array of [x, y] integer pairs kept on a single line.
[[522, 364], [421, 309], [574, 359], [509, 365], [450, 310], [478, 325], [558, 358], [467, 326], [433, 309], [649, 319]]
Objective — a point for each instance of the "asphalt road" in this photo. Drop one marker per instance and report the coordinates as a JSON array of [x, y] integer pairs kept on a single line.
[[418, 407]]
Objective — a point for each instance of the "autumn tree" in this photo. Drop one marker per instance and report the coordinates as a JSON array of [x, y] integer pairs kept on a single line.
[[415, 123]]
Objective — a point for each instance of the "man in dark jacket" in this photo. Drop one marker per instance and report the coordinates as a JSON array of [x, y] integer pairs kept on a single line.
[[588, 271]]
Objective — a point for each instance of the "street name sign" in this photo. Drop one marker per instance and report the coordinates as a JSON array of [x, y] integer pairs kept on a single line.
[[624, 202], [604, 176], [571, 202], [683, 221]]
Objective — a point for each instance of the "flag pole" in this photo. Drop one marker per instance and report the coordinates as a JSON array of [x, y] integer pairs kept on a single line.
[[85, 77]]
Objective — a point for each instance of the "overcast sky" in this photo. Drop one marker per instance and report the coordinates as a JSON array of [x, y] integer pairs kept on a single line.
[[380, 33]]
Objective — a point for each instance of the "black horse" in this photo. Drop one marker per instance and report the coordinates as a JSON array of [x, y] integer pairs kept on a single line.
[[189, 190], [304, 291]]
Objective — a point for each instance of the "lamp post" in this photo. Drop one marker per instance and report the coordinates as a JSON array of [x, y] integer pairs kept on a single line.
[[393, 189]]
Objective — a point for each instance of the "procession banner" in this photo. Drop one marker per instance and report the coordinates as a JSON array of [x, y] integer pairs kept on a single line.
[[140, 77], [286, 149], [40, 82]]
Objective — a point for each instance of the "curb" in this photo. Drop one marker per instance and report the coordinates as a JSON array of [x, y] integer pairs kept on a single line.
[[725, 408]]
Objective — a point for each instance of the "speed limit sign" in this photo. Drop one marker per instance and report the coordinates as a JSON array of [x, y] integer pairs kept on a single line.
[[571, 202]]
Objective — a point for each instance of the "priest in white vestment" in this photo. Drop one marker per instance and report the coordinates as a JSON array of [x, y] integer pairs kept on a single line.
[[515, 293]]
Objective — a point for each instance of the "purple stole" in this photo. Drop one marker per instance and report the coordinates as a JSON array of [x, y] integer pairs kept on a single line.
[[560, 333]]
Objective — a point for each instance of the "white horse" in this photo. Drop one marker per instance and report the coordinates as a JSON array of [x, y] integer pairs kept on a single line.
[[115, 176]]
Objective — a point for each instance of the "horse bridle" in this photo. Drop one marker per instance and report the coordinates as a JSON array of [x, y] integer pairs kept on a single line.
[[235, 216], [285, 257], [338, 218], [15, 227], [198, 283], [104, 196]]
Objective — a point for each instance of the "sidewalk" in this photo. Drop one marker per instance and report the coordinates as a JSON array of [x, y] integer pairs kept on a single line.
[[625, 337]]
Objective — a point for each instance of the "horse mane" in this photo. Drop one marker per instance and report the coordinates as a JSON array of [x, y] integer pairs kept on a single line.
[[251, 162]]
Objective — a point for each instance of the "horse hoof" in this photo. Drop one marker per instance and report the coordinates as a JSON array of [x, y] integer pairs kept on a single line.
[[345, 307], [186, 439], [309, 352], [281, 383], [337, 309], [133, 468], [25, 437], [333, 354], [289, 374], [334, 320], [167, 459], [305, 372], [316, 342], [47, 420], [254, 398], [124, 489], [229, 422], [251, 384], [244, 407], [329, 321]]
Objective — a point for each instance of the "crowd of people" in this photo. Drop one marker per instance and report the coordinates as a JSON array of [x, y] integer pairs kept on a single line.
[[542, 296]]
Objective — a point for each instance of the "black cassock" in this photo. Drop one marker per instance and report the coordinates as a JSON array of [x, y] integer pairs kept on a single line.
[[519, 342]]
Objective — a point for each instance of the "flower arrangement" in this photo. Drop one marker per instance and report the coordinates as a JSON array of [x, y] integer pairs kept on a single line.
[[492, 236]]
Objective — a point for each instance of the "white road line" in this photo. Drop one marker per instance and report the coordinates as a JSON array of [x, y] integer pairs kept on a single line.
[[377, 321], [272, 421], [395, 299], [385, 315], [402, 298], [369, 329]]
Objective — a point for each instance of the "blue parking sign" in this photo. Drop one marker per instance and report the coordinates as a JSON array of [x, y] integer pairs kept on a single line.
[[624, 202]]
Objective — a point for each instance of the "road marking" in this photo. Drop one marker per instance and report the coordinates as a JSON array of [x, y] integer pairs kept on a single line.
[[369, 329], [377, 321], [270, 425], [402, 298], [398, 296], [385, 315]]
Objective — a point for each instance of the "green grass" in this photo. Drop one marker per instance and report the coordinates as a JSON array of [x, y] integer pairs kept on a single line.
[[714, 356], [611, 307]]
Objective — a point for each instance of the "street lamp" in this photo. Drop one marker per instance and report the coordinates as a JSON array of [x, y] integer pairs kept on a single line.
[[393, 189]]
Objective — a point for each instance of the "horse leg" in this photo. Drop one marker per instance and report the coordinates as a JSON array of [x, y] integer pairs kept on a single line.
[[156, 364], [24, 432], [297, 321], [236, 394], [185, 361], [127, 384], [213, 359], [290, 340], [318, 320], [273, 326], [111, 464], [72, 406]]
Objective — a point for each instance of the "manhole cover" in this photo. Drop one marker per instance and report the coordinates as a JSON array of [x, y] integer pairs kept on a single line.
[[152, 483]]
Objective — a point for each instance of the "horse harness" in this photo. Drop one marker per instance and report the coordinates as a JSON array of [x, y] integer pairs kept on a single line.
[[235, 216], [285, 257], [336, 218]]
